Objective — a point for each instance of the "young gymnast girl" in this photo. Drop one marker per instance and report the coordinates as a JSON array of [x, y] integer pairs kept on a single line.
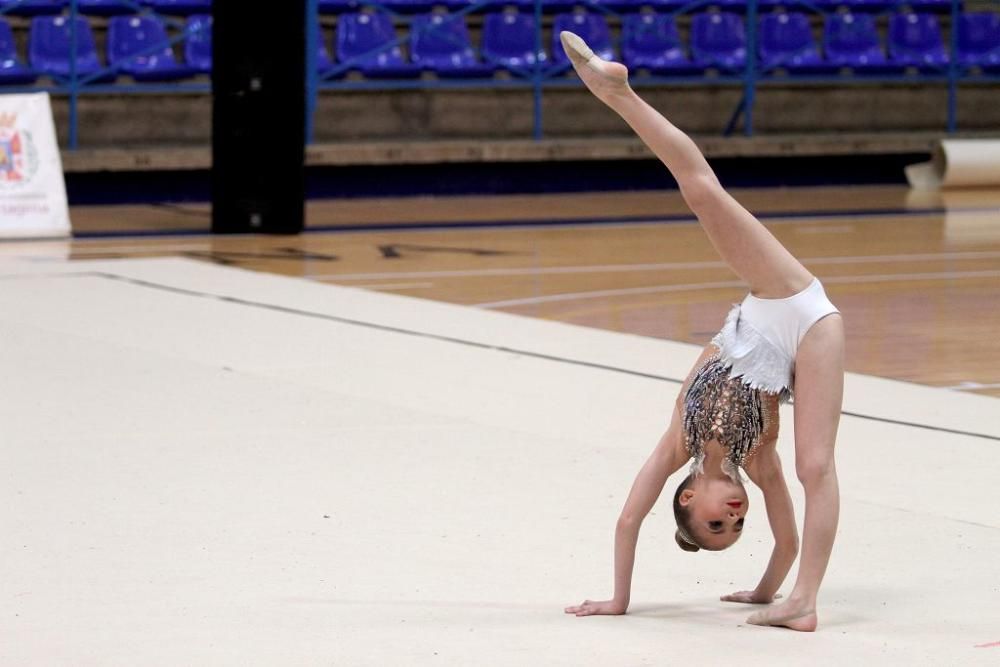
[[726, 416]]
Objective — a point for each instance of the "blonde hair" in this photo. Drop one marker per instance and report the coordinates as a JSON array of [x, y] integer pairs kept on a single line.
[[683, 518]]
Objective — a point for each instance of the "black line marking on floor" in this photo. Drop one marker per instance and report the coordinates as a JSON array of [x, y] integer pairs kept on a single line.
[[900, 422], [469, 343], [380, 327], [396, 250], [234, 257]]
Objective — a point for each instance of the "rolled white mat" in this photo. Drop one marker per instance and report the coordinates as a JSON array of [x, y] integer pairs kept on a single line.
[[958, 163]]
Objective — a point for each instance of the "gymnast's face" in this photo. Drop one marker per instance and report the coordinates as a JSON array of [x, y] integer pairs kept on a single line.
[[717, 508]]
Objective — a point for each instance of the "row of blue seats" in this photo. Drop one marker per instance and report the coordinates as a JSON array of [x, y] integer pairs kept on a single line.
[[187, 7], [786, 41], [551, 6], [105, 7], [651, 41], [133, 47], [441, 43]]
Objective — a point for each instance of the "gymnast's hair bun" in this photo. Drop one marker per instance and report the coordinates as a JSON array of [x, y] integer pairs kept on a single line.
[[684, 544]]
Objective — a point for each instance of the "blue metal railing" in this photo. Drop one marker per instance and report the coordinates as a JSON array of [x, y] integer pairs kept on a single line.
[[312, 73], [540, 76], [749, 79]]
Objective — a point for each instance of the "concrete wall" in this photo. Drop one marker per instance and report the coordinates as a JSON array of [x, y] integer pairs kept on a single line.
[[185, 119]]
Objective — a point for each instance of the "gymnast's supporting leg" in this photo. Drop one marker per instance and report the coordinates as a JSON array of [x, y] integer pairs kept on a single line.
[[745, 244], [819, 388], [772, 272]]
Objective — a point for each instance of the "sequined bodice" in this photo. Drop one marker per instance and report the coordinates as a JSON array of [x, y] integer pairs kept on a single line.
[[725, 409]]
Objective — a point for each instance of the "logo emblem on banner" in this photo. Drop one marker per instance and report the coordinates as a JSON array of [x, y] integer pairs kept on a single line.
[[18, 156], [32, 188]]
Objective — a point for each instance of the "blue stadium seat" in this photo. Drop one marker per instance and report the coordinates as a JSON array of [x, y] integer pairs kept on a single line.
[[623, 5], [441, 44], [860, 6], [593, 28], [509, 41], [408, 6], [106, 7], [12, 70], [651, 42], [937, 6], [557, 6], [130, 36], [851, 40], [733, 6], [34, 7], [49, 48], [528, 6], [718, 40], [786, 41], [523, 5], [915, 41], [359, 35], [979, 40], [338, 6], [198, 46], [458, 5], [180, 7], [550, 6], [737, 6], [855, 6]]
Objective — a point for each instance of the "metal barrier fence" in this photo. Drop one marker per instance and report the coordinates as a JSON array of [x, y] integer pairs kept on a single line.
[[74, 85], [541, 77], [538, 77]]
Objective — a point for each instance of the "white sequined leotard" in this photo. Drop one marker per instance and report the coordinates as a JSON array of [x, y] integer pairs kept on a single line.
[[761, 336], [733, 397], [720, 407]]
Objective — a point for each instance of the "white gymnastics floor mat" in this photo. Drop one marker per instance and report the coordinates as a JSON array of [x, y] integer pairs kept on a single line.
[[204, 465]]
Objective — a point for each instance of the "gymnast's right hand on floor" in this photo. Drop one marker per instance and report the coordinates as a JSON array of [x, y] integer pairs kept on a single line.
[[592, 608]]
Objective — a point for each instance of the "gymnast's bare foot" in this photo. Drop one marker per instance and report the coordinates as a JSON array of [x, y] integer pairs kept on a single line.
[[793, 614], [606, 80]]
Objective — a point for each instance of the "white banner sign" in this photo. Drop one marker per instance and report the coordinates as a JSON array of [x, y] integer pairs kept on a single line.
[[32, 189]]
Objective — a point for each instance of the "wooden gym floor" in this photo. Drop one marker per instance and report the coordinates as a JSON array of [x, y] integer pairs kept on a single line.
[[917, 275]]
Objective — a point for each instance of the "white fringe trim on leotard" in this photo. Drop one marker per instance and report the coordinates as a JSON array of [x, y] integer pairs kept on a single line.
[[761, 363]]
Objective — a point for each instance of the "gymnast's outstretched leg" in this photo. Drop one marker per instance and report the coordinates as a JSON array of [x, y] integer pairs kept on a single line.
[[745, 244], [773, 273]]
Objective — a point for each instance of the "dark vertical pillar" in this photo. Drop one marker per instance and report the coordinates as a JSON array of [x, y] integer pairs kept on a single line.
[[259, 103]]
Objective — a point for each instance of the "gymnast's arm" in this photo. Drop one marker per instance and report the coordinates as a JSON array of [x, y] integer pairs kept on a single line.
[[668, 456], [766, 473]]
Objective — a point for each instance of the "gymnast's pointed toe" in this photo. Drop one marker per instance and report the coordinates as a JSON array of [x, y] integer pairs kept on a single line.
[[605, 78], [576, 49]]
